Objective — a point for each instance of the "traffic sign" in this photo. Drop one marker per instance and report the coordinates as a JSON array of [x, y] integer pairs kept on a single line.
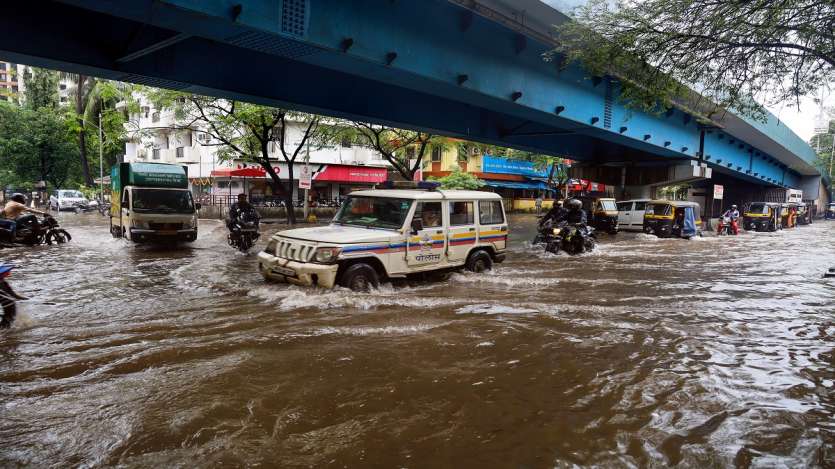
[[305, 178], [718, 191]]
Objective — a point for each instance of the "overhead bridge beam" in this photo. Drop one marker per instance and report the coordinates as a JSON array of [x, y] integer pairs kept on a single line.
[[154, 47]]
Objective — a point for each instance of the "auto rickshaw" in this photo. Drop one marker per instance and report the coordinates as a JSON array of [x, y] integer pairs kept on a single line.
[[830, 211], [804, 215], [602, 213], [665, 218], [789, 215], [763, 216]]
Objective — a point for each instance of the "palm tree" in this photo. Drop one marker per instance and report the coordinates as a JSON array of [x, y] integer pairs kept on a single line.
[[84, 92]]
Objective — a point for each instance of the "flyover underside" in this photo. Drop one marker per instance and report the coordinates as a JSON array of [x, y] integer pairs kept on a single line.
[[143, 42]]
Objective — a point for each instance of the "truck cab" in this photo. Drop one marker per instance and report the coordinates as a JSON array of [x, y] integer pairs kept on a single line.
[[379, 234], [151, 202]]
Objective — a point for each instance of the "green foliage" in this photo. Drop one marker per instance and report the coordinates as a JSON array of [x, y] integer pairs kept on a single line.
[[35, 145], [824, 144], [458, 179], [405, 150], [41, 88], [732, 53]]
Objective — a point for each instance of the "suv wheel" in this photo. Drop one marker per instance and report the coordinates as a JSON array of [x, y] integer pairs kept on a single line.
[[359, 277], [479, 261]]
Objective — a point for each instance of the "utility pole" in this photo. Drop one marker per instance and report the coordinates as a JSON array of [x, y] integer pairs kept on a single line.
[[101, 164], [306, 208]]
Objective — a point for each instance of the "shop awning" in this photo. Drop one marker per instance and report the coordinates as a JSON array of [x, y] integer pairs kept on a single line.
[[530, 185], [346, 173], [239, 172]]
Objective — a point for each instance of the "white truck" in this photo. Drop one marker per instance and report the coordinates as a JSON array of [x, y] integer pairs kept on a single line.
[[151, 202], [379, 234]]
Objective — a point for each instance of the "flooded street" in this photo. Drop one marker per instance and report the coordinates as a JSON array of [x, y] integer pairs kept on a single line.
[[647, 352]]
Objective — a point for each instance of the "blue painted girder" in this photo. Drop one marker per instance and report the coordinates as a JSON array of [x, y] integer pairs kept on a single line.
[[341, 65]]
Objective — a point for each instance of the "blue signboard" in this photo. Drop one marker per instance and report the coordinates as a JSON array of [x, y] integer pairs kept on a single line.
[[494, 164]]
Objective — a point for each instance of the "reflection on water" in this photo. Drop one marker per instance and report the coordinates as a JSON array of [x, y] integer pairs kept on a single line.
[[712, 352]]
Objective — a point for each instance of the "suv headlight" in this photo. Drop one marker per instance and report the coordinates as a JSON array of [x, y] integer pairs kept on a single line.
[[326, 255]]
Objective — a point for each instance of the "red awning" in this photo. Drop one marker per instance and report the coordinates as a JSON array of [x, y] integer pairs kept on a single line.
[[345, 173], [239, 172]]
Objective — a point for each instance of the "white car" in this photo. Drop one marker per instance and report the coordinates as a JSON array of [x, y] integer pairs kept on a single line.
[[379, 234], [631, 214], [67, 200]]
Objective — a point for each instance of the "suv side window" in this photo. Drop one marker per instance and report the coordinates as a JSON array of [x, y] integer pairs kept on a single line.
[[640, 206], [624, 206], [430, 214], [461, 213], [490, 212]]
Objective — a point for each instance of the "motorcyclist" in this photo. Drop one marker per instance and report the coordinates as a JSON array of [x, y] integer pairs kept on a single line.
[[239, 209], [11, 218], [575, 213], [733, 215], [557, 212]]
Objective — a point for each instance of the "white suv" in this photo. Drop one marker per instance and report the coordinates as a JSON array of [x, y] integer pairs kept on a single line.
[[380, 234], [631, 214]]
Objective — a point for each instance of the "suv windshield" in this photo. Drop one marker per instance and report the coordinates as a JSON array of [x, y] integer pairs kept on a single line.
[[70, 194], [162, 201], [374, 212], [659, 209]]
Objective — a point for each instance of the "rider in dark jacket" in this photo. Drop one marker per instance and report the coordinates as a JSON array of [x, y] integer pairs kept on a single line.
[[575, 213], [238, 209]]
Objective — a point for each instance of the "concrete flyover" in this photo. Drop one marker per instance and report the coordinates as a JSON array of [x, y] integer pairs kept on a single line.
[[464, 68]]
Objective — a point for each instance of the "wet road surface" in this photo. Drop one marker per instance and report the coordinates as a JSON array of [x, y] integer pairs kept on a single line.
[[714, 352]]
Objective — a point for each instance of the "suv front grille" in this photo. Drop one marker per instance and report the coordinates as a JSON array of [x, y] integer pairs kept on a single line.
[[294, 251], [165, 226]]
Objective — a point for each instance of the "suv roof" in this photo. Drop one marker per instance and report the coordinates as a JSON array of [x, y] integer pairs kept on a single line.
[[428, 195]]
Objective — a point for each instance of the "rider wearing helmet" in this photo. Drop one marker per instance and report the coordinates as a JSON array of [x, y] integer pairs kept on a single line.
[[733, 215], [11, 216], [575, 214]]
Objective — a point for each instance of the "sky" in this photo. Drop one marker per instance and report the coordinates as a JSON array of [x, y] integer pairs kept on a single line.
[[801, 121]]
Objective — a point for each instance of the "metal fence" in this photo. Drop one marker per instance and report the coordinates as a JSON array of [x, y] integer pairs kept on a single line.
[[263, 201]]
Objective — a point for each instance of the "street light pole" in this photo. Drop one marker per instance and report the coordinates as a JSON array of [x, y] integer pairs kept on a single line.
[[101, 164]]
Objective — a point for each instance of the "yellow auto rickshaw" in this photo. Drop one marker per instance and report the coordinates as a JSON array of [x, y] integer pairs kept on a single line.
[[666, 218], [603, 213], [763, 216], [789, 215]]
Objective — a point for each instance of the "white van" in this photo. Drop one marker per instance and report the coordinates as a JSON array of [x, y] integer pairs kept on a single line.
[[380, 234], [631, 214]]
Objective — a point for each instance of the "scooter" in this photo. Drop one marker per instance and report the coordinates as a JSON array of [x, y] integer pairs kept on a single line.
[[728, 227], [8, 298]]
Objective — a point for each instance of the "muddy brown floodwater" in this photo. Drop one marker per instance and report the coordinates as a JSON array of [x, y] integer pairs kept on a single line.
[[710, 353]]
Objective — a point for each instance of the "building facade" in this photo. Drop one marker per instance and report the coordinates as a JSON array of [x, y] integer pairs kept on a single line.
[[337, 169]]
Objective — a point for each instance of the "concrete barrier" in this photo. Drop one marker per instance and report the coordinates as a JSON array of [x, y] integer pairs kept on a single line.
[[219, 212]]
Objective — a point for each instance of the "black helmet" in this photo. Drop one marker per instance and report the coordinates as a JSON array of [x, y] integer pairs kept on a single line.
[[19, 198], [573, 204]]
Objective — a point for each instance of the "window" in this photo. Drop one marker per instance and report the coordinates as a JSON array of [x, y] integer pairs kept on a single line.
[[185, 139], [62, 86], [624, 206], [607, 205], [436, 153], [146, 110], [156, 153], [374, 212], [659, 209], [640, 206], [429, 213], [155, 117], [2, 65], [490, 212], [461, 213], [180, 152], [2, 77]]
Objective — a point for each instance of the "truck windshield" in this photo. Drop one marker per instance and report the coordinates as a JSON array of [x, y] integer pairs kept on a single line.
[[162, 201], [374, 212]]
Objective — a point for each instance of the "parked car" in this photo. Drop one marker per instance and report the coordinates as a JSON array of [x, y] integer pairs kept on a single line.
[[631, 214], [67, 200]]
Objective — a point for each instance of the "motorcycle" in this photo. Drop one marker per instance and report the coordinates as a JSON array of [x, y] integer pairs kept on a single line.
[[47, 231], [8, 298], [728, 227], [574, 238], [244, 232], [104, 208]]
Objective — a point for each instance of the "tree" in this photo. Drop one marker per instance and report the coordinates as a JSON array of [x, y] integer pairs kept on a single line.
[[85, 95], [403, 149], [458, 179], [35, 145], [246, 132], [733, 53], [41, 88], [824, 144]]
